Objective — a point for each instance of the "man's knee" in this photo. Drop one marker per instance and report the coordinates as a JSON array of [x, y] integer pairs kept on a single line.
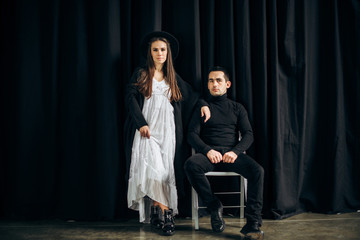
[[259, 172], [255, 172], [191, 165]]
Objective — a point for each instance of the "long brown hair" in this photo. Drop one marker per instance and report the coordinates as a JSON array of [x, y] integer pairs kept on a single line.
[[145, 79]]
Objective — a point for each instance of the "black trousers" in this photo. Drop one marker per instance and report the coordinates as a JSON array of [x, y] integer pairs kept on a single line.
[[197, 165]]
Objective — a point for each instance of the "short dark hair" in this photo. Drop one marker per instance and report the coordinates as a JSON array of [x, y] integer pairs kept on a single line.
[[221, 69]]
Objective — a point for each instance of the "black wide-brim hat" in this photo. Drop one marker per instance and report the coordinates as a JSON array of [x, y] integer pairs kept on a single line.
[[174, 44]]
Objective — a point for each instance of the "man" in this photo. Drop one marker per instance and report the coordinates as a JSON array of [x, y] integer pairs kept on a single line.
[[219, 149]]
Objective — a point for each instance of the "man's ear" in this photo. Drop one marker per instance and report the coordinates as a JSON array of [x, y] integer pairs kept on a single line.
[[228, 84]]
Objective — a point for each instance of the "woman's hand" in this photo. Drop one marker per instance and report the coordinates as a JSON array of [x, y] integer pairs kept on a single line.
[[145, 131], [205, 110]]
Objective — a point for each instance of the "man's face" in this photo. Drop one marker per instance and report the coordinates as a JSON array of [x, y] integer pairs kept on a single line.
[[217, 84]]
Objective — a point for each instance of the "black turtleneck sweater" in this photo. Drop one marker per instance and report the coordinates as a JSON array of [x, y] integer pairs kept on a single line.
[[221, 131]]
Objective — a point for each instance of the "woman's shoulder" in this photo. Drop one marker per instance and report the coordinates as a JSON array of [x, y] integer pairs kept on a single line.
[[239, 108], [137, 73], [178, 78], [181, 82], [186, 90]]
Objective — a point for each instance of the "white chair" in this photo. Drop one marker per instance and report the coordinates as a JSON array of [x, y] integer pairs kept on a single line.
[[195, 202]]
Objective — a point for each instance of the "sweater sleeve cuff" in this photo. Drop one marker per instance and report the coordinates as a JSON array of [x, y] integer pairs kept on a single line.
[[236, 151], [205, 150], [141, 123]]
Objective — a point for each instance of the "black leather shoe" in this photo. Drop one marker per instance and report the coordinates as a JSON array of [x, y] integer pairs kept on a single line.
[[252, 231], [169, 223], [217, 221], [156, 217]]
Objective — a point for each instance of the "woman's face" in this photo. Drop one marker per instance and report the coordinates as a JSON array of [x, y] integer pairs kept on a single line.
[[159, 52]]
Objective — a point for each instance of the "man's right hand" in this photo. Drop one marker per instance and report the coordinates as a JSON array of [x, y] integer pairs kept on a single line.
[[145, 131], [214, 156]]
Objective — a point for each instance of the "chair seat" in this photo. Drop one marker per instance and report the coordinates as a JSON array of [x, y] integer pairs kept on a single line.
[[222, 174]]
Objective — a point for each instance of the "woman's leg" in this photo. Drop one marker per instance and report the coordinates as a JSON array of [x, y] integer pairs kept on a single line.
[[162, 206], [163, 218]]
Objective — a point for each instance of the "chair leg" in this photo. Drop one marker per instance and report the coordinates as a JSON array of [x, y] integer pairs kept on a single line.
[[195, 208], [242, 197]]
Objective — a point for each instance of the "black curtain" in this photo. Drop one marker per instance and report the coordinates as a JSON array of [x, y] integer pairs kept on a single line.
[[294, 64]]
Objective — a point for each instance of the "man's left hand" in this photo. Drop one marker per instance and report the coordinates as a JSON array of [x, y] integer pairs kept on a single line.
[[229, 157]]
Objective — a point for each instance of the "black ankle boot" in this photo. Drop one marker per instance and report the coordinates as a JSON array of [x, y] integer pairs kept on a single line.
[[217, 220], [252, 231], [169, 223], [156, 217]]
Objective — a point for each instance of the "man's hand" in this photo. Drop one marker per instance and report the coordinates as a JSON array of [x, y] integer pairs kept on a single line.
[[145, 131], [214, 156], [229, 157], [205, 110]]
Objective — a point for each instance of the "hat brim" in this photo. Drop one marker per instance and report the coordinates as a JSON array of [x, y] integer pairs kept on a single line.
[[174, 44]]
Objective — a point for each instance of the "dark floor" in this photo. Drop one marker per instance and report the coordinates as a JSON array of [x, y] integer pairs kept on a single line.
[[307, 226]]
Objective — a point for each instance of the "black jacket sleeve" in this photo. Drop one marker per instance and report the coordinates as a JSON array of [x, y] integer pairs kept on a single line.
[[188, 102], [193, 136], [132, 97]]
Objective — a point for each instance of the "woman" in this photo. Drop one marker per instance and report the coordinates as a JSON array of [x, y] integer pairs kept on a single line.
[[159, 103]]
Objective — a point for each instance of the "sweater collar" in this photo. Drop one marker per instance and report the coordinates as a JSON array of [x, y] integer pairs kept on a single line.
[[217, 98]]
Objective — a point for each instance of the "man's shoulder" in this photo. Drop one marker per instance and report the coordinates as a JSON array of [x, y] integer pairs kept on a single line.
[[236, 105]]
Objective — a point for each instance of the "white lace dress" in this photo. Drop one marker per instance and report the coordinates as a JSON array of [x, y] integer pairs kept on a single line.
[[152, 160]]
